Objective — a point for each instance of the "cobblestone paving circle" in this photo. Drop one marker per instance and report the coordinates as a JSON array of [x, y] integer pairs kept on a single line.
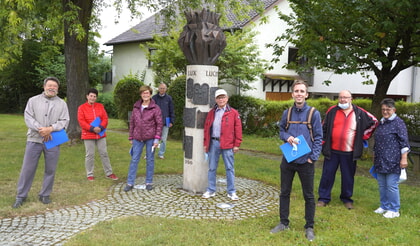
[[167, 199]]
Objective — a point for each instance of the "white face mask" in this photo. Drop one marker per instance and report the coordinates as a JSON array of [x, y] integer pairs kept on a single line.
[[344, 105]]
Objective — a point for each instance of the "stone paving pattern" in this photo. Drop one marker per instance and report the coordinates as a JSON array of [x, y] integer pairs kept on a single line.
[[167, 199]]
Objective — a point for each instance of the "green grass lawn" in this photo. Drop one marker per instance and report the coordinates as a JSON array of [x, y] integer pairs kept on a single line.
[[334, 224]]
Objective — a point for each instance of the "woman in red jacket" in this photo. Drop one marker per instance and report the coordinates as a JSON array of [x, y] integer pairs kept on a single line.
[[93, 120]]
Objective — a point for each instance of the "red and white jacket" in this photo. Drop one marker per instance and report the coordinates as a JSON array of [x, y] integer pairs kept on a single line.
[[231, 128], [88, 113]]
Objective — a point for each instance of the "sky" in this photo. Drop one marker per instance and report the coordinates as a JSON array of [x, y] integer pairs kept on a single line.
[[110, 29]]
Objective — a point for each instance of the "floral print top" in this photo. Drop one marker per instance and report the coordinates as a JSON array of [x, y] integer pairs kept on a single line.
[[391, 139]]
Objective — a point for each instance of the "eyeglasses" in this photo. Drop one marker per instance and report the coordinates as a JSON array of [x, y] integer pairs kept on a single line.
[[343, 98], [221, 97], [387, 109]]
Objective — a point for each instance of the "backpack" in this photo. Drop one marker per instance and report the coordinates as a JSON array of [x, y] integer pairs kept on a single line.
[[307, 122]]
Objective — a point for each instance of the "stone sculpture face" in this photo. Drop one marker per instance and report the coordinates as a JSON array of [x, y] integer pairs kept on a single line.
[[202, 40]]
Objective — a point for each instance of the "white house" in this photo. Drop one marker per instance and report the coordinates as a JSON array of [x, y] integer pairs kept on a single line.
[[129, 58]]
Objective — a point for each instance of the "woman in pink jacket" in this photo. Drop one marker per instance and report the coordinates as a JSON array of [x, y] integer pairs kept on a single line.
[[93, 120], [145, 130]]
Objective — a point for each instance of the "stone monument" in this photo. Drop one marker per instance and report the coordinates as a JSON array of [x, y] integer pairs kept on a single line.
[[202, 41]]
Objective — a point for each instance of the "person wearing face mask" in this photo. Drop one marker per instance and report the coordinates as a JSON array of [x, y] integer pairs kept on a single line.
[[93, 134], [391, 150], [44, 113], [345, 127]]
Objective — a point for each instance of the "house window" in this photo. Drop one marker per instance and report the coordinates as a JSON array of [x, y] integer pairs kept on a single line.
[[151, 52], [293, 57], [293, 53]]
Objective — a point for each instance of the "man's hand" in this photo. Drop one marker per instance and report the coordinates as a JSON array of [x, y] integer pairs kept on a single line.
[[45, 133], [290, 140], [235, 149]]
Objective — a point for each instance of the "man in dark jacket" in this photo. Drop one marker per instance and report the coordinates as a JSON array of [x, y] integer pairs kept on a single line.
[[168, 115], [345, 127], [222, 136]]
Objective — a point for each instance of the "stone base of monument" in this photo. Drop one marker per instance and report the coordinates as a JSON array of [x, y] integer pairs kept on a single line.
[[202, 82]]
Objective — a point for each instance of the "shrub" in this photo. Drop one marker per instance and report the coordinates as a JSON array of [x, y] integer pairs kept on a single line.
[[107, 100], [177, 91], [126, 93]]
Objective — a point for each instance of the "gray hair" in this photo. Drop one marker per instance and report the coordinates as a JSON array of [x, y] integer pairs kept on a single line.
[[53, 79]]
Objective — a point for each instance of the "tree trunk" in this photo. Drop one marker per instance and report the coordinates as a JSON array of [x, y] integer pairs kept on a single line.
[[76, 60], [381, 90]]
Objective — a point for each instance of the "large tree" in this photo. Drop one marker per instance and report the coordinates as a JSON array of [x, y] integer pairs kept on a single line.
[[73, 19], [348, 36]]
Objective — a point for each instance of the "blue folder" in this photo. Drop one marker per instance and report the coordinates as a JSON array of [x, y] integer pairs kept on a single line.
[[168, 121], [373, 173], [97, 123], [58, 137], [291, 153]]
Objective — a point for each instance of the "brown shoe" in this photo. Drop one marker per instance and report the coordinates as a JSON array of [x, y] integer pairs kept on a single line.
[[321, 204], [348, 205]]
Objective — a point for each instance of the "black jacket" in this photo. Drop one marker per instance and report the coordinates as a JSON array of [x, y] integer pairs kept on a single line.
[[366, 124]]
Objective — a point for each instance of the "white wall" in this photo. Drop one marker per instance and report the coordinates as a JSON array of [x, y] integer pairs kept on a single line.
[[129, 59]]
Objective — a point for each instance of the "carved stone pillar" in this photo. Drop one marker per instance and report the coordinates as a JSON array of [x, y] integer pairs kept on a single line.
[[202, 42]]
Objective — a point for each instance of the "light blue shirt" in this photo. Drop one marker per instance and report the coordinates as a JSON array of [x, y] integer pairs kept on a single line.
[[217, 123]]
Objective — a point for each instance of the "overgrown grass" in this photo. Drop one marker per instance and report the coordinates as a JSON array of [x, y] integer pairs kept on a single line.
[[334, 224]]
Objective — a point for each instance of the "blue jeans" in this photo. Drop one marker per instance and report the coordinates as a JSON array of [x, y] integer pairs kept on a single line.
[[162, 149], [306, 174], [228, 158], [135, 159], [388, 191]]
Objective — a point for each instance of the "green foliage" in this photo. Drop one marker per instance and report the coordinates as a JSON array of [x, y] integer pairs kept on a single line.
[[242, 51], [22, 78], [169, 62], [410, 113], [107, 99], [260, 117], [354, 36], [126, 93], [337, 35], [99, 64], [177, 91]]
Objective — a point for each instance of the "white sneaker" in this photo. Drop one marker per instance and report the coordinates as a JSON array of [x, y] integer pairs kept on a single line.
[[390, 214], [233, 196], [380, 210], [208, 194]]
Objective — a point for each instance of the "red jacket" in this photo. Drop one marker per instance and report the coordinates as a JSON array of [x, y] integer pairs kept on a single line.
[[88, 113], [231, 129]]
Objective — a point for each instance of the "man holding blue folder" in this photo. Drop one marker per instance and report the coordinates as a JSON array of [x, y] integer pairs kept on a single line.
[[166, 105], [304, 166], [44, 114]]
